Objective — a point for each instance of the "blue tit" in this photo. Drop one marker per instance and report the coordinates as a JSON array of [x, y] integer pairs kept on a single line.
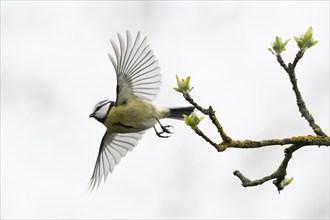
[[126, 119]]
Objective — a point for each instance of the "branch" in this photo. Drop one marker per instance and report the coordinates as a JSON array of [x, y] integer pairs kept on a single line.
[[228, 142], [301, 140], [300, 102], [279, 176], [200, 133], [211, 113]]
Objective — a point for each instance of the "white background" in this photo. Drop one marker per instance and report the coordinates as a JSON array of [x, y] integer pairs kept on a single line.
[[54, 68]]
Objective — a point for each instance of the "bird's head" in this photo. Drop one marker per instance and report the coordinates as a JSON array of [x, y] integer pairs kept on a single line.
[[101, 110]]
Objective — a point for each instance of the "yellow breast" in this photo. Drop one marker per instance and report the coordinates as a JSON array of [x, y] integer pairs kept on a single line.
[[136, 115]]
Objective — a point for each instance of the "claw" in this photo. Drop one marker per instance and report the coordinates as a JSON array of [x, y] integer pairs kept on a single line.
[[166, 130]]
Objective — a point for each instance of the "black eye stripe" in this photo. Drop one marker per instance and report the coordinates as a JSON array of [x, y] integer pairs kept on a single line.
[[97, 108], [101, 104]]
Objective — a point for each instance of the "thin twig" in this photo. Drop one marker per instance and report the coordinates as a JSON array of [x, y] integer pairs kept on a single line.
[[299, 55], [200, 133], [211, 113], [300, 102], [281, 62], [192, 102], [215, 121], [246, 182], [279, 175]]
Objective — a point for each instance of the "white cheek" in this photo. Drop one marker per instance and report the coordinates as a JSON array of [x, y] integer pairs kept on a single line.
[[102, 112]]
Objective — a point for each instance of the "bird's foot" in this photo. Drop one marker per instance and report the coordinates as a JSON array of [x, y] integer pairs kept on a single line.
[[166, 131]]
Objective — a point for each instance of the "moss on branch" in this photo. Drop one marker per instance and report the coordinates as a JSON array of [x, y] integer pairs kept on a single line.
[[301, 140]]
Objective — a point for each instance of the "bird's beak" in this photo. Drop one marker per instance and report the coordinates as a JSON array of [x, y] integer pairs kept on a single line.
[[92, 115]]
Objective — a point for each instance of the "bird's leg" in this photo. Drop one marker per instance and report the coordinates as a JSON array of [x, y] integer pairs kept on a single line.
[[165, 129]]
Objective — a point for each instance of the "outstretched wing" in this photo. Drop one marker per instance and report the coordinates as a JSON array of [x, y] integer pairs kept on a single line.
[[113, 147], [138, 72]]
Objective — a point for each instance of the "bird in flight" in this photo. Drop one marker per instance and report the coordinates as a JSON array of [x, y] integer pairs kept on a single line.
[[126, 119]]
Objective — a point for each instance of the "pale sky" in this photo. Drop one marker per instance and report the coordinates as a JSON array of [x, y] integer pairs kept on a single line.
[[55, 68]]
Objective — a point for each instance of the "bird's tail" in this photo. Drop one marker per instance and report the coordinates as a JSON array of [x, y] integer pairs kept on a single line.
[[177, 113]]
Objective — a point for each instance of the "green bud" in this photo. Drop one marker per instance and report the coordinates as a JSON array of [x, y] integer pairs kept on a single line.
[[286, 181], [192, 120], [299, 42], [183, 85], [308, 35], [306, 40], [186, 82], [278, 46]]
